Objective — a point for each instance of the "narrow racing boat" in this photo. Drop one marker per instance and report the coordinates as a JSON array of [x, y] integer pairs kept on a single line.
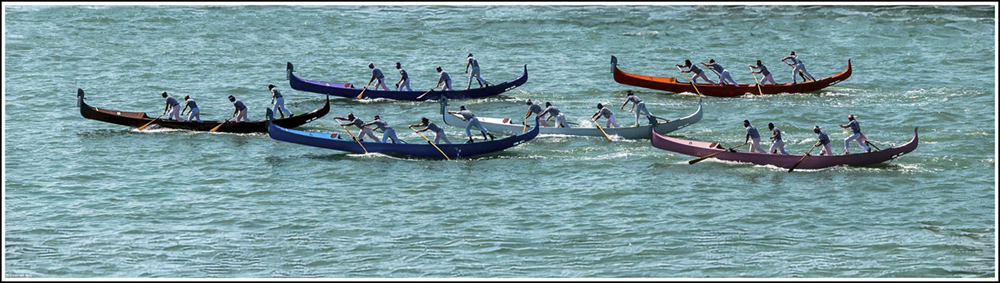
[[672, 84], [352, 91], [700, 148], [506, 125], [138, 119], [336, 141]]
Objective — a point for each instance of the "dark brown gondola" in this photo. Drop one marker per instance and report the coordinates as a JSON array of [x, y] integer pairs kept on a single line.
[[137, 119]]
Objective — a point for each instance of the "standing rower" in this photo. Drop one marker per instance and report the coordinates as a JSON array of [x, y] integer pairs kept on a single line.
[[553, 111], [241, 110], [172, 105], [471, 120], [856, 134], [279, 102], [195, 113], [472, 62], [404, 79], [797, 67], [823, 140], [357, 122], [387, 131], [377, 75], [752, 135], [776, 142], [637, 106], [444, 78], [537, 110], [607, 114], [438, 131], [698, 73]]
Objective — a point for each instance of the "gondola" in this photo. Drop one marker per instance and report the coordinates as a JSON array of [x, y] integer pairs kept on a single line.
[[352, 91], [421, 149], [506, 125], [672, 84], [700, 148], [138, 119]]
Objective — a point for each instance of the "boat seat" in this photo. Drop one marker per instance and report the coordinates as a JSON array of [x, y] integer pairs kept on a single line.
[[507, 121], [346, 85]]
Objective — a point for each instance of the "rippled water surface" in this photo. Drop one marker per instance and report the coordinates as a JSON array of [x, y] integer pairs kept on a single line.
[[90, 199]]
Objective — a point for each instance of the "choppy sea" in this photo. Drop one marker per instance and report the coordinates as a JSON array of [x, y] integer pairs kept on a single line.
[[87, 199]]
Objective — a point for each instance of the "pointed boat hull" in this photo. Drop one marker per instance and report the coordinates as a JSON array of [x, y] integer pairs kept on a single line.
[[700, 148], [419, 149], [642, 132], [672, 84], [138, 119], [350, 91]]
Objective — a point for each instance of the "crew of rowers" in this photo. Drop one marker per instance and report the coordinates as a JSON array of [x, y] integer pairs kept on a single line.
[[798, 68], [240, 113], [173, 107], [753, 138], [443, 78], [389, 133], [638, 107]]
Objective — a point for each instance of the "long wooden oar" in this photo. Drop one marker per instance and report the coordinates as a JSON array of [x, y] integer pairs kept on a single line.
[[429, 141], [356, 139], [525, 129], [872, 145], [665, 120], [661, 118], [151, 122], [689, 79], [364, 89], [803, 158], [425, 93], [699, 159], [759, 92], [602, 129], [869, 143], [220, 125]]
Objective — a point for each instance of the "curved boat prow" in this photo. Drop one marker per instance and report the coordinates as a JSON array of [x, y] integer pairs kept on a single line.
[[349, 91], [614, 63], [652, 120], [672, 84], [523, 76], [443, 101], [269, 120], [537, 124], [708, 149], [79, 97], [693, 117]]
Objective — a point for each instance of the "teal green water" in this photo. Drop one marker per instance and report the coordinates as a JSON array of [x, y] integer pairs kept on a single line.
[[88, 199]]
